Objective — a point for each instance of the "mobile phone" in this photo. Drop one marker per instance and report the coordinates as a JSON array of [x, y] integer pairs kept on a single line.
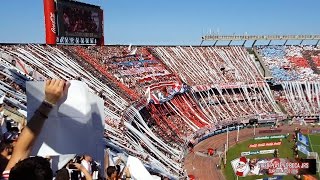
[[72, 166]]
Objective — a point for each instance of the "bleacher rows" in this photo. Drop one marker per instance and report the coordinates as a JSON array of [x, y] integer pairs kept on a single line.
[[126, 76]]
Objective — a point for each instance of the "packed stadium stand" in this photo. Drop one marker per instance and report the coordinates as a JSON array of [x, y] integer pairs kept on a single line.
[[161, 98], [296, 70], [291, 63]]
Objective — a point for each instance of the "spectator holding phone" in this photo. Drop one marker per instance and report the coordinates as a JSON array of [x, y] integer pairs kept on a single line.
[[63, 174]]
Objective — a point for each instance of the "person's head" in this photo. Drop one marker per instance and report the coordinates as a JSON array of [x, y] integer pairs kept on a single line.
[[63, 174], [112, 172], [37, 168], [10, 137], [87, 158], [6, 149]]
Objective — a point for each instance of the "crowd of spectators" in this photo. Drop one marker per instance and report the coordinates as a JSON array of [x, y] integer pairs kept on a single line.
[[291, 63], [210, 65], [120, 75], [135, 67], [233, 106], [299, 99], [296, 69], [52, 62]]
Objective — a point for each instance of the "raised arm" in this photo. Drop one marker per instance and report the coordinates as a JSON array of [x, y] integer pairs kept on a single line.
[[85, 172], [106, 159], [54, 90]]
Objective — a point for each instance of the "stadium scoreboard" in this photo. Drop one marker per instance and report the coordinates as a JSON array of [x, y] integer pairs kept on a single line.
[[72, 22]]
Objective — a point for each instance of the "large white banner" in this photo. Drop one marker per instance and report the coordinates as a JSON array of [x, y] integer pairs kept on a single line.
[[74, 126]]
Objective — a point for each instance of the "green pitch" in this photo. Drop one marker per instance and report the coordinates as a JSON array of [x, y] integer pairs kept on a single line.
[[315, 142], [285, 151]]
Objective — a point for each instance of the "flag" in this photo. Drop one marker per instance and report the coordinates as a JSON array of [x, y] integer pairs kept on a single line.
[[133, 52], [155, 99], [177, 87]]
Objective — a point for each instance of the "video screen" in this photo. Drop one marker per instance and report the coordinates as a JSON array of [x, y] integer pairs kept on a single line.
[[79, 19]]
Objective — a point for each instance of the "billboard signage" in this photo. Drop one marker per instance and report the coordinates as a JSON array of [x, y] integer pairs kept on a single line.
[[73, 22], [303, 149], [270, 137], [76, 40], [303, 139], [271, 131], [272, 167], [269, 151], [267, 144], [76, 19]]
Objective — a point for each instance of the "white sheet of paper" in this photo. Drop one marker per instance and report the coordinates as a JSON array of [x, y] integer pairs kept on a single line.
[[137, 169], [74, 126], [60, 161]]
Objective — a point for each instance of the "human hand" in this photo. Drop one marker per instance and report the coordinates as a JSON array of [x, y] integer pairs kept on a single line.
[[54, 90], [127, 172], [119, 161], [79, 167], [126, 169]]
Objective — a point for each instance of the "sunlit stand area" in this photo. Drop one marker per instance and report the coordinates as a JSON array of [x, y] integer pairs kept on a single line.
[[158, 112]]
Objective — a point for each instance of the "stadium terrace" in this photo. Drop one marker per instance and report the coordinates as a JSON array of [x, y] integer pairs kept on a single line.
[[75, 108], [158, 100]]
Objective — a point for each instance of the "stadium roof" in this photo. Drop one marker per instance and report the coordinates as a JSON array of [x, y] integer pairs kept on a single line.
[[256, 38]]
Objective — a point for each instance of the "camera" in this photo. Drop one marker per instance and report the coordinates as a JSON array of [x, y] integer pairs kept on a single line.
[[76, 159]]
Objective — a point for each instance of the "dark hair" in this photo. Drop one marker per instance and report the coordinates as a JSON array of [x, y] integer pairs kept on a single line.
[[35, 168], [111, 170], [62, 174], [118, 168], [4, 145]]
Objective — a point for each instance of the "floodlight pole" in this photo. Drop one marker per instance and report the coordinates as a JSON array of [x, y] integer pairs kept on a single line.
[[238, 134], [227, 137], [225, 154]]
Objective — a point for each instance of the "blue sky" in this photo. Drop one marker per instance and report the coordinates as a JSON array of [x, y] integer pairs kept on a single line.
[[170, 21]]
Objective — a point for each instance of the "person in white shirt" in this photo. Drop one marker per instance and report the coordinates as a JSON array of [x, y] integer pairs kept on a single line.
[[86, 163]]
